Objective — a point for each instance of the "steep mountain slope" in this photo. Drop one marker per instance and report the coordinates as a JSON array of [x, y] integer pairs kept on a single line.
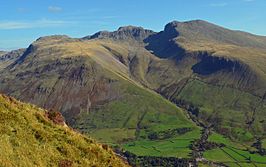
[[228, 66], [29, 138], [90, 84], [197, 60]]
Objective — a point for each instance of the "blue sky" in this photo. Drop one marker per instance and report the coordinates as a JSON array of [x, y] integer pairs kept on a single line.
[[23, 21]]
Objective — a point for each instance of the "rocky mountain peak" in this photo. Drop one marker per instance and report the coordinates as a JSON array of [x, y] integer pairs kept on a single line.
[[175, 27], [178, 24], [53, 37], [123, 33]]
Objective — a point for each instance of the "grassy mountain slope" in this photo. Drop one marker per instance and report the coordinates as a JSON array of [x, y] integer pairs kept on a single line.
[[211, 61], [29, 138]]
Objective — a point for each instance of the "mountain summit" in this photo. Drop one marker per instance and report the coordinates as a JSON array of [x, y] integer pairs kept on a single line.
[[124, 33], [199, 30]]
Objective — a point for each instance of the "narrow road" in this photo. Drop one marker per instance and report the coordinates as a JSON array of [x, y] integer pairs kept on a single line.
[[198, 145]]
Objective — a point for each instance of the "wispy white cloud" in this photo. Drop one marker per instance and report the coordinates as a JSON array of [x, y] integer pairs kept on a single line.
[[249, 0], [22, 10], [222, 4], [110, 17], [42, 23], [54, 9]]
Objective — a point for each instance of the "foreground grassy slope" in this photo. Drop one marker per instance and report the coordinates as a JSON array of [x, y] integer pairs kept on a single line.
[[29, 138]]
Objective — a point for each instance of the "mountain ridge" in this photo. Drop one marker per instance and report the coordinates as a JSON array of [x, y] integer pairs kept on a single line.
[[193, 24], [123, 33]]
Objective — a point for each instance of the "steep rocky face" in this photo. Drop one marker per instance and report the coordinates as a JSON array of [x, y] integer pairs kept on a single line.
[[163, 44]]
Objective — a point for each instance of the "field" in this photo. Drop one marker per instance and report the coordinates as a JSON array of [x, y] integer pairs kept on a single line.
[[215, 137], [233, 154], [264, 143], [173, 147]]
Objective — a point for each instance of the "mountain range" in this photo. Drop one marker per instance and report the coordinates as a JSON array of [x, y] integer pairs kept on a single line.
[[146, 91]]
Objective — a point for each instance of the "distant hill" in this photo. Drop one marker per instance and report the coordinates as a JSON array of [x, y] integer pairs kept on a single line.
[[30, 137], [7, 58], [2, 52]]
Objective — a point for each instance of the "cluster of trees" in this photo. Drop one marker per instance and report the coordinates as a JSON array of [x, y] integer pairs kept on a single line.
[[135, 160], [168, 133], [204, 146], [186, 105], [258, 146]]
